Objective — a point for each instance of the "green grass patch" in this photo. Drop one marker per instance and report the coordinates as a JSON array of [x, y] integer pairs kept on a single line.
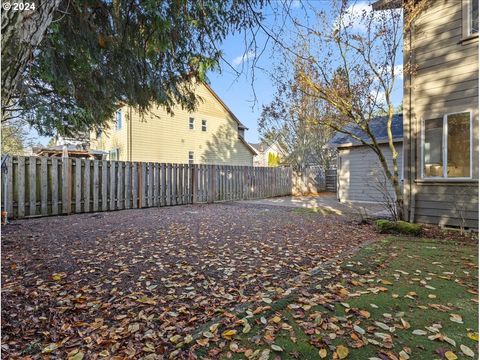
[[402, 284]]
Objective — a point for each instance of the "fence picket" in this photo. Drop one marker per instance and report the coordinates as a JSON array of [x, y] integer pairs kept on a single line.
[[86, 186], [105, 185], [32, 185], [112, 184], [96, 186], [120, 188], [78, 186], [135, 193], [55, 187], [44, 186]]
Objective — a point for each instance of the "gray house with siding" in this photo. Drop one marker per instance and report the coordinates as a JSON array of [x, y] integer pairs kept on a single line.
[[440, 107], [360, 177]]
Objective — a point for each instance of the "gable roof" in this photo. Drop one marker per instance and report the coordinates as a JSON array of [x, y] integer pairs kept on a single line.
[[240, 125], [215, 95], [378, 126]]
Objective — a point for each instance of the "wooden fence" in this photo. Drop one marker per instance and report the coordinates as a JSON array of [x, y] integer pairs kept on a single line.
[[41, 186]]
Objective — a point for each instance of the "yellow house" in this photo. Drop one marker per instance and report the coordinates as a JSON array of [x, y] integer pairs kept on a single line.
[[210, 135]]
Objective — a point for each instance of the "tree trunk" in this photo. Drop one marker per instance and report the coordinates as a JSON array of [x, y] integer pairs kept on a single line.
[[22, 32]]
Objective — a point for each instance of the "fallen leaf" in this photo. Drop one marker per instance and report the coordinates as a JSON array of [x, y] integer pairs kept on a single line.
[[147, 300], [358, 329], [467, 351], [473, 335], [276, 348], [450, 356], [229, 334], [419, 332], [405, 324], [50, 348], [322, 353], [341, 351]]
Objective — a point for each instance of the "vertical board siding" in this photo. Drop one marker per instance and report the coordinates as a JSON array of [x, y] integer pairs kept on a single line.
[[41, 186]]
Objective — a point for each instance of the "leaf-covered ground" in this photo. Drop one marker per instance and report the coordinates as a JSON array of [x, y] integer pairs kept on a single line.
[[141, 283], [396, 299]]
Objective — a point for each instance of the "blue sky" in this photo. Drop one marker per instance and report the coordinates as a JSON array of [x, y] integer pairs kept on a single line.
[[245, 94], [239, 93]]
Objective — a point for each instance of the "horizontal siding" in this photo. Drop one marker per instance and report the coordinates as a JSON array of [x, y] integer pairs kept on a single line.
[[161, 137], [360, 175], [447, 204]]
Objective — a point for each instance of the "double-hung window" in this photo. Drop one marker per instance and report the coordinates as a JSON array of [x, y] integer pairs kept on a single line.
[[191, 123], [469, 18], [447, 147], [118, 119], [191, 158], [473, 16], [204, 125]]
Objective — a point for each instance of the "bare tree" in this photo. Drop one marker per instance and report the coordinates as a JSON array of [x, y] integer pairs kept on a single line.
[[354, 63], [291, 120]]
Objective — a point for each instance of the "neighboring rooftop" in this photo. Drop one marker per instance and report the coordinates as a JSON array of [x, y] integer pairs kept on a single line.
[[378, 127], [76, 151], [257, 146]]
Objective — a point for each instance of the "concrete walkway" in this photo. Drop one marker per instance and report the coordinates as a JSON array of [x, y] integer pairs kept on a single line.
[[325, 203]]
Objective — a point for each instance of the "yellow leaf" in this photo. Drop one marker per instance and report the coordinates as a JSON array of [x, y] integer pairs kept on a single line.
[[450, 356], [58, 276], [276, 319], [214, 328], [341, 351], [386, 282], [473, 335], [147, 300], [229, 334], [50, 348], [322, 353]]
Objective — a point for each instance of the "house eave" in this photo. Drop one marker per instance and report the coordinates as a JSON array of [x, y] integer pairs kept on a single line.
[[354, 144]]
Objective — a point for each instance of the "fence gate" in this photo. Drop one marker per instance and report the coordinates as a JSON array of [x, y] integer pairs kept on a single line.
[[331, 180]]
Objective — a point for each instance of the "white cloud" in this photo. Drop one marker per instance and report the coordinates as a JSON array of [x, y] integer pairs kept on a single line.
[[398, 72], [245, 57], [354, 15], [357, 14], [295, 4]]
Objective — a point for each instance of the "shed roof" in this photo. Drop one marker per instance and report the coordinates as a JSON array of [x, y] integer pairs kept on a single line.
[[378, 127]]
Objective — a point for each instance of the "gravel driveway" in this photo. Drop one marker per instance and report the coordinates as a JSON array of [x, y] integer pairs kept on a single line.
[[132, 283]]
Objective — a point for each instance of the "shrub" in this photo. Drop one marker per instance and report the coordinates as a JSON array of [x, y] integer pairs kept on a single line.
[[398, 227]]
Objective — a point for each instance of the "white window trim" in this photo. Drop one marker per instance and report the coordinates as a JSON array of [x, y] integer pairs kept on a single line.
[[192, 122], [193, 157], [117, 128], [467, 20], [445, 150]]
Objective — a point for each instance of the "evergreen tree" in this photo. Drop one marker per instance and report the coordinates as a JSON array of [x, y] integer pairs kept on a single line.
[[96, 54]]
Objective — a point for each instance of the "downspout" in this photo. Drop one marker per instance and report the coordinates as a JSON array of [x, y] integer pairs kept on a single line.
[[413, 141], [129, 140]]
